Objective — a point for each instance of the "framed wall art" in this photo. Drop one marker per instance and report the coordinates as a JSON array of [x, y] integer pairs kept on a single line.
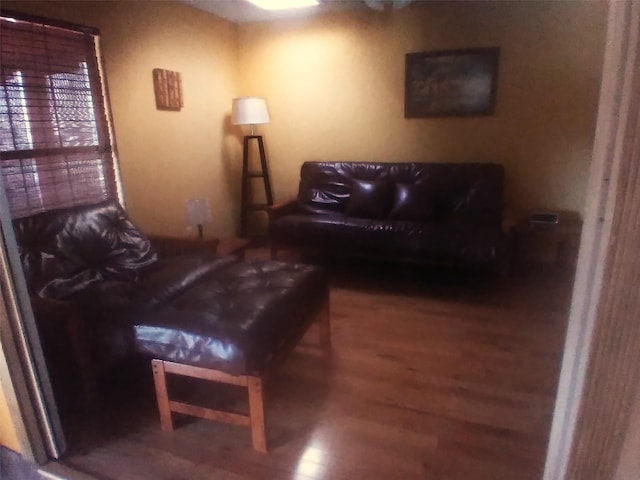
[[451, 82], [167, 86]]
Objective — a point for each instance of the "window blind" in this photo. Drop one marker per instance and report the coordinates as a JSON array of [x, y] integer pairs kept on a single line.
[[54, 137]]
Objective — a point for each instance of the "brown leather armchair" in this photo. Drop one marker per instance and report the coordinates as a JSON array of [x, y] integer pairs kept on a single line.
[[91, 263]]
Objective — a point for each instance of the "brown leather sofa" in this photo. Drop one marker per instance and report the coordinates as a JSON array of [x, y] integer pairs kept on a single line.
[[200, 309], [439, 213]]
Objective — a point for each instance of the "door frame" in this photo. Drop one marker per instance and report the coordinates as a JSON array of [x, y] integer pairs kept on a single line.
[[23, 372], [578, 431]]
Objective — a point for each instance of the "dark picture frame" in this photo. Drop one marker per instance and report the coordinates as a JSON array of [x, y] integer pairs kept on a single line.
[[451, 82]]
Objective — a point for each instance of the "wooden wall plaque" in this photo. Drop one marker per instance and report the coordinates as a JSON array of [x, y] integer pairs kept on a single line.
[[167, 86]]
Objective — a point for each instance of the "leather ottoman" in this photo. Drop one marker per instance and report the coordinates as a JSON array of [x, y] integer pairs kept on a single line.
[[234, 327]]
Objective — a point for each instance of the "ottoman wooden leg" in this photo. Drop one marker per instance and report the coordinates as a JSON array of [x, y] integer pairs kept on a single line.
[[256, 412], [162, 395]]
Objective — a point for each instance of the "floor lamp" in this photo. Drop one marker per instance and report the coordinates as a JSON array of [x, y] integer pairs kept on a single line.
[[251, 111]]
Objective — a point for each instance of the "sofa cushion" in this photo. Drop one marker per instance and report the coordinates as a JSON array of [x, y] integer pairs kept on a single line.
[[63, 251], [110, 306], [453, 243], [369, 199], [170, 277], [476, 203], [414, 201], [470, 192], [326, 186], [235, 318]]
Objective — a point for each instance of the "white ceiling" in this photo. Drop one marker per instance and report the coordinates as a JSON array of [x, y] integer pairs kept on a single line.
[[241, 11]]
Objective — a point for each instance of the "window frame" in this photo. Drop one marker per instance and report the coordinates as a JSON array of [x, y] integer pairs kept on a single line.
[[105, 148]]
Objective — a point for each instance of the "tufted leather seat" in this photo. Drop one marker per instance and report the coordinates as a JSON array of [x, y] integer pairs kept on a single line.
[[234, 318], [201, 310], [213, 318]]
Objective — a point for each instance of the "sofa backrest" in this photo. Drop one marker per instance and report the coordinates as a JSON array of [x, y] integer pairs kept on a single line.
[[63, 251], [468, 192]]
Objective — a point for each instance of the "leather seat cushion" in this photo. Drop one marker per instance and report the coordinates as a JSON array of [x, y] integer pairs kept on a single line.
[[169, 277], [414, 202], [369, 199], [433, 242], [470, 192], [111, 307], [234, 318], [64, 251]]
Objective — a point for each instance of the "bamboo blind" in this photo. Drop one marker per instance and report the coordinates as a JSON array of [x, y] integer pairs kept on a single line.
[[54, 135]]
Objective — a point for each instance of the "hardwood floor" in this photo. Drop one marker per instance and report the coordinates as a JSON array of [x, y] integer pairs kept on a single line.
[[430, 378]]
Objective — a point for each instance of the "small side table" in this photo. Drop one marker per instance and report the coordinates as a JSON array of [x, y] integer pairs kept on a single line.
[[564, 236], [172, 246], [233, 246]]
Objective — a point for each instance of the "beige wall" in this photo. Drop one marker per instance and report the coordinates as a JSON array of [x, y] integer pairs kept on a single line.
[[166, 157], [335, 88], [8, 435]]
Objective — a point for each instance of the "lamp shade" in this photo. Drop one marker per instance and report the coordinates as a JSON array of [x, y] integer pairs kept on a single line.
[[198, 211], [249, 111]]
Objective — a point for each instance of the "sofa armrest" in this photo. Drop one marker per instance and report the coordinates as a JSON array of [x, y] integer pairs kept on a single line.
[[51, 307], [281, 209], [173, 246]]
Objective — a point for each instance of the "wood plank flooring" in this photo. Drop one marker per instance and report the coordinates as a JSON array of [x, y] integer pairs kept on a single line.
[[430, 378]]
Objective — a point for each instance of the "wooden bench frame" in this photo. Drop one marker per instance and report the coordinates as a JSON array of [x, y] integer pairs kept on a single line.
[[254, 383]]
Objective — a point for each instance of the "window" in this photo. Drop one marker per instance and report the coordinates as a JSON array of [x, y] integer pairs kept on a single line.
[[54, 138]]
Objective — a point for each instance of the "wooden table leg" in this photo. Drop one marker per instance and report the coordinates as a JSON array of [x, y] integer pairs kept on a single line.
[[162, 395], [256, 412]]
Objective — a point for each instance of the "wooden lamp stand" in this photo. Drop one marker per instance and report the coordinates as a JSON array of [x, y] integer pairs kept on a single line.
[[251, 111], [246, 207]]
